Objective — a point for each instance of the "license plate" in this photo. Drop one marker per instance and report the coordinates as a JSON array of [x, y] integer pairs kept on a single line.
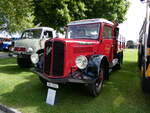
[[53, 85]]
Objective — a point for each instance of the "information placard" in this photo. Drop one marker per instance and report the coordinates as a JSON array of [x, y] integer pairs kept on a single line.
[[51, 96]]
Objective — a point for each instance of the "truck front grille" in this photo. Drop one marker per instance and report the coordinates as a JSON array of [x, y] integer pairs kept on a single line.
[[58, 59], [47, 57], [54, 58]]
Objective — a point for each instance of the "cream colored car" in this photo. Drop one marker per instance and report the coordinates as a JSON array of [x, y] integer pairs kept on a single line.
[[32, 40]]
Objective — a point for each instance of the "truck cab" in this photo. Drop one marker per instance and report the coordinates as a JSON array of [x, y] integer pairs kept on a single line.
[[31, 41], [144, 51], [86, 55], [144, 55]]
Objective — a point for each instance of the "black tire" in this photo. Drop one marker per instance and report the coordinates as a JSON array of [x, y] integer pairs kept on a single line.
[[120, 61], [118, 65], [96, 87], [24, 62], [145, 84], [44, 82]]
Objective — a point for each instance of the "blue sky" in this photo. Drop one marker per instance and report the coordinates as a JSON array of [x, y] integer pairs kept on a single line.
[[135, 17]]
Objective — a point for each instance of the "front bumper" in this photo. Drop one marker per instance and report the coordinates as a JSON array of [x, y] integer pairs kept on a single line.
[[85, 80], [20, 54]]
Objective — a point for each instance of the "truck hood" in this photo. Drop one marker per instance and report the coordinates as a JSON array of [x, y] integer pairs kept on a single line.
[[77, 41], [29, 43], [62, 53]]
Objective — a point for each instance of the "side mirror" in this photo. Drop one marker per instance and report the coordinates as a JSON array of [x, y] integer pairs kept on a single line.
[[65, 28], [116, 32]]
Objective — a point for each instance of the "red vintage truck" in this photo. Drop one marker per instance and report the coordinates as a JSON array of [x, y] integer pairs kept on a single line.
[[85, 56]]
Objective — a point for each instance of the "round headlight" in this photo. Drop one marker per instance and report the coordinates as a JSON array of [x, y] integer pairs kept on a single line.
[[81, 62], [35, 58], [30, 49]]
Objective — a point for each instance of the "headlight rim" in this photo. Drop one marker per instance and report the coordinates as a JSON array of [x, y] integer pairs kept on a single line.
[[30, 50], [84, 65], [34, 55]]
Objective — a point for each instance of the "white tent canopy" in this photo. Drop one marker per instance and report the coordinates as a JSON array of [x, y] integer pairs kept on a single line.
[[4, 34]]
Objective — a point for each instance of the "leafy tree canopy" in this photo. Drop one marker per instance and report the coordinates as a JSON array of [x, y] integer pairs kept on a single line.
[[17, 14], [57, 13], [20, 14], [113, 10]]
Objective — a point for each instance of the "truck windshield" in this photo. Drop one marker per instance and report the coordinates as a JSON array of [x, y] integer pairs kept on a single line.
[[87, 31], [34, 33]]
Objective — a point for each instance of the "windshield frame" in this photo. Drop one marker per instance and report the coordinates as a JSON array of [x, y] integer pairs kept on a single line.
[[30, 30], [85, 37]]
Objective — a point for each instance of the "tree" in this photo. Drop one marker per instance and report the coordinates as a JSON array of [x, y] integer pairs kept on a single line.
[[18, 13], [113, 10], [57, 13]]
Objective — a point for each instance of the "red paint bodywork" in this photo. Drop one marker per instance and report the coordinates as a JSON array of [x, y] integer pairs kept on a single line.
[[86, 47], [20, 49]]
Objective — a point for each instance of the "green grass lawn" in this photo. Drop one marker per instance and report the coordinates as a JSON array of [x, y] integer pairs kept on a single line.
[[21, 89]]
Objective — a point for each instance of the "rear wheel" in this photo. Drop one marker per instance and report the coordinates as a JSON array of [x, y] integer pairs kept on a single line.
[[145, 84], [24, 62], [96, 87], [120, 61], [118, 65]]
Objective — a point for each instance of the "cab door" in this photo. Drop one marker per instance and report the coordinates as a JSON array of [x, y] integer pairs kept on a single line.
[[107, 41]]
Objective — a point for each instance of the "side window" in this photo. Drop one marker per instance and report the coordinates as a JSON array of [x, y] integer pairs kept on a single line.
[[48, 34], [107, 32]]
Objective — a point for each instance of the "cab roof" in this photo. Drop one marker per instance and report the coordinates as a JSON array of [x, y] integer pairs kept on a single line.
[[45, 28], [89, 21]]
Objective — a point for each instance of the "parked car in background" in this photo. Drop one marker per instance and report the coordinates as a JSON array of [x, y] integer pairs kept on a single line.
[[32, 40], [1, 44], [5, 43], [11, 47]]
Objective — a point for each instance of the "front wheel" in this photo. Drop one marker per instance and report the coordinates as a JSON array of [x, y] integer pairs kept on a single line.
[[24, 62], [96, 87]]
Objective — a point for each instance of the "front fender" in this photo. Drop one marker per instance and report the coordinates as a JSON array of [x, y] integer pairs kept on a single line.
[[41, 51], [40, 64], [94, 64]]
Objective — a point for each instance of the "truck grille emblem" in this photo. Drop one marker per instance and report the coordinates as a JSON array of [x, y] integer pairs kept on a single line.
[[48, 50]]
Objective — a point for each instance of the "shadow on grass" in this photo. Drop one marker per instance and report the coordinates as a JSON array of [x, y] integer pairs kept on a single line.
[[126, 85], [9, 66], [33, 94], [8, 61], [14, 69], [121, 93]]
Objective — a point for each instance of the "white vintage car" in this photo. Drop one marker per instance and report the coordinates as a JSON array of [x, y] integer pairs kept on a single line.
[[32, 40]]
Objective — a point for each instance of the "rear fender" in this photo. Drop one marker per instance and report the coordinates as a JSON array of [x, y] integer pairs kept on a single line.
[[40, 64]]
